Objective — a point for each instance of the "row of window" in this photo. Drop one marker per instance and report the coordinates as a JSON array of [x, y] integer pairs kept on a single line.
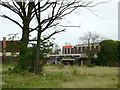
[[78, 50]]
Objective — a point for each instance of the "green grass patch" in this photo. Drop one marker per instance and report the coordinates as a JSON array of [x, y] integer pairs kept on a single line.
[[66, 77]]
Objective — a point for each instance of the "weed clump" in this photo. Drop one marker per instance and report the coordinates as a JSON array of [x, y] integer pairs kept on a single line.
[[60, 66]]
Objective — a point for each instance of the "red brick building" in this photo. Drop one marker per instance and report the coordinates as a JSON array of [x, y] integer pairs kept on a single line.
[[7, 47], [80, 49]]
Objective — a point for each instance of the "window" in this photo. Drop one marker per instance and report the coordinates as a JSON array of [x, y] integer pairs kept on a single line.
[[70, 50], [85, 49], [81, 49], [67, 51], [64, 51]]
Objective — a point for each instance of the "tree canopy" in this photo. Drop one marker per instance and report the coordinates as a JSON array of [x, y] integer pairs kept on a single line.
[[108, 54]]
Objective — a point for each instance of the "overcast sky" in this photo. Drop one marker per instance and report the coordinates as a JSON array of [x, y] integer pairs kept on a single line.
[[106, 26]]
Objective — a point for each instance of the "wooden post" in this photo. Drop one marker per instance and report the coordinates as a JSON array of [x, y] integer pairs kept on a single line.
[[4, 46]]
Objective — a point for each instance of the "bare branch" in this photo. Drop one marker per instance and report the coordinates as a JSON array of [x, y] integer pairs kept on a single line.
[[32, 29], [22, 7], [53, 34], [69, 26], [94, 13], [12, 8], [4, 16]]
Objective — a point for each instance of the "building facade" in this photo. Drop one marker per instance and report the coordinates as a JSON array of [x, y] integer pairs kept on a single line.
[[77, 53]]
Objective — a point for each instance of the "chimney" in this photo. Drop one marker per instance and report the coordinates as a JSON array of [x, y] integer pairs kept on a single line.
[[4, 46]]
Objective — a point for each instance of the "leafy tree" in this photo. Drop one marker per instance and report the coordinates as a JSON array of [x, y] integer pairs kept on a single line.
[[29, 58], [108, 55], [119, 51]]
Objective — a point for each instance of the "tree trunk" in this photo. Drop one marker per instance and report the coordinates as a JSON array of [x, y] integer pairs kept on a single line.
[[36, 69], [37, 55], [24, 41]]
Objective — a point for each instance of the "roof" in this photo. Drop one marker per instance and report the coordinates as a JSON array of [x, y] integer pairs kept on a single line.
[[85, 45], [65, 47]]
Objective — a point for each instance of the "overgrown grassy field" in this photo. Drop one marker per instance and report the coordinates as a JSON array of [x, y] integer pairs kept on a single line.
[[66, 77], [0, 75]]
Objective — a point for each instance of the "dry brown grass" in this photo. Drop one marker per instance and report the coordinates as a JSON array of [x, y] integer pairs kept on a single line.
[[84, 77]]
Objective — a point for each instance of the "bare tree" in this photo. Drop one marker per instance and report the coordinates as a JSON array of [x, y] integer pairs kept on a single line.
[[59, 9], [90, 38], [48, 13], [25, 12]]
